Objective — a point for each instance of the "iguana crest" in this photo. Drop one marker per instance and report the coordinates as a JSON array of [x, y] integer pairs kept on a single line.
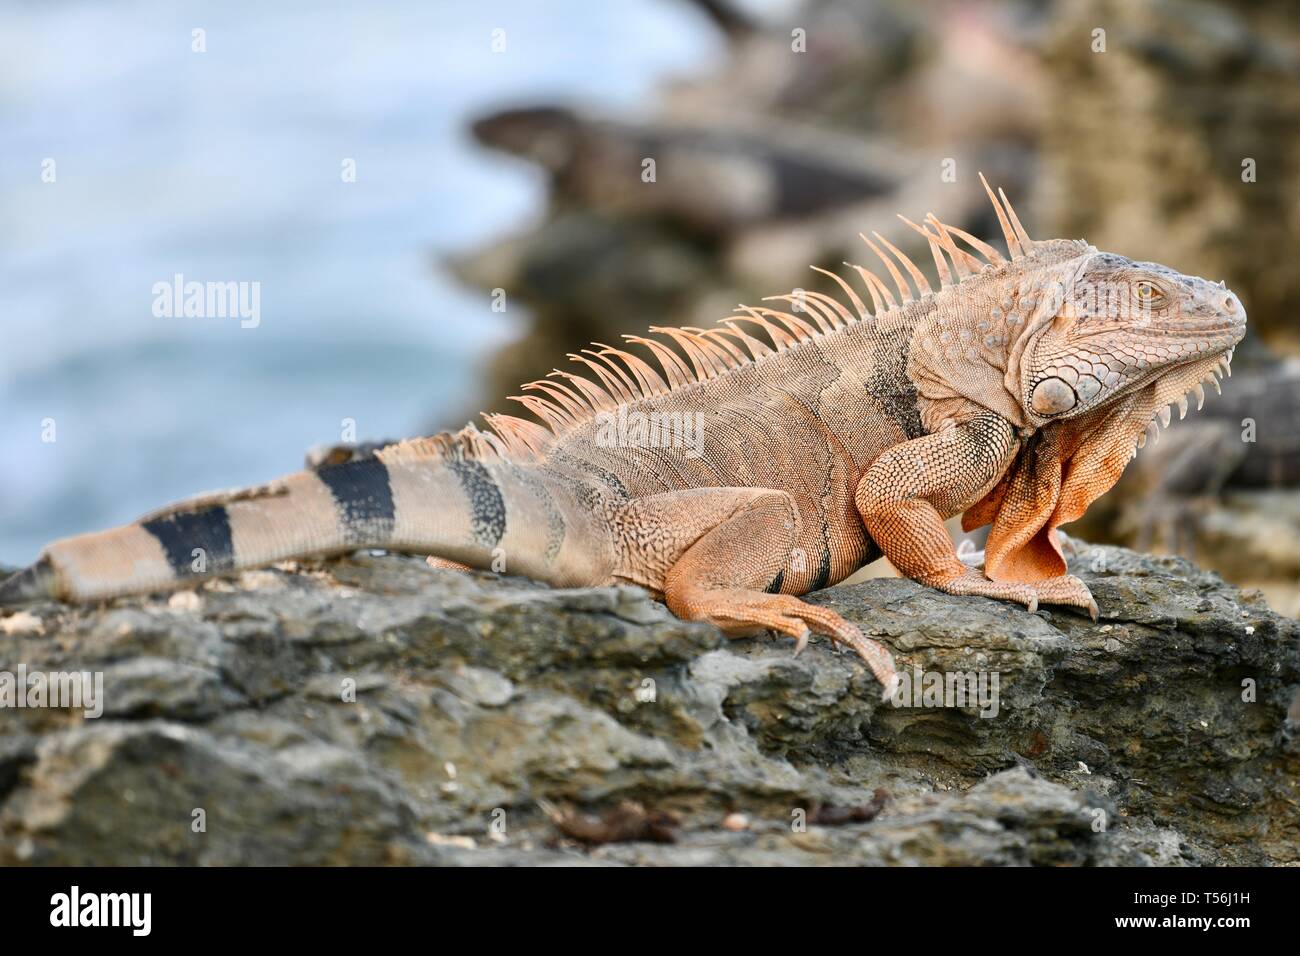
[[617, 376]]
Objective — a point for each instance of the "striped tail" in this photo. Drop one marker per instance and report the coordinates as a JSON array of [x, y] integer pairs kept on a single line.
[[485, 513]]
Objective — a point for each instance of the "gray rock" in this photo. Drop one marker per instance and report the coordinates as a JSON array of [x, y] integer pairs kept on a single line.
[[374, 711]]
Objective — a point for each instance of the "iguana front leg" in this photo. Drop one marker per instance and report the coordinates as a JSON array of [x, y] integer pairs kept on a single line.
[[908, 492], [713, 552]]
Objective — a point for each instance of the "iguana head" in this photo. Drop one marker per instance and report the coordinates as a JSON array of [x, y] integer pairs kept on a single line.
[[1104, 359], [1115, 327], [1084, 351]]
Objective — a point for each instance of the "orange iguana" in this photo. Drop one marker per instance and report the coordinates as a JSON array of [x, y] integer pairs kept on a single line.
[[818, 438]]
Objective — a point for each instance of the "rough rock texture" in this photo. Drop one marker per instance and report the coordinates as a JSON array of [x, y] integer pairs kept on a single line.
[[377, 711]]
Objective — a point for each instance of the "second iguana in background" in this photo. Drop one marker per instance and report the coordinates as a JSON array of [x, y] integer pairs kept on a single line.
[[731, 470]]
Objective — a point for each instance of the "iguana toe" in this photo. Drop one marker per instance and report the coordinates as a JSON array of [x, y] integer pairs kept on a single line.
[[1064, 590]]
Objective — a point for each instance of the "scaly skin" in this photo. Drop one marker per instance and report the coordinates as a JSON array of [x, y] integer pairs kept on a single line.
[[806, 444]]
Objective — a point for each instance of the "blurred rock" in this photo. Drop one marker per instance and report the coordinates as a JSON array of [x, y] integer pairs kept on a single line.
[[828, 62], [1144, 144], [374, 711], [709, 180]]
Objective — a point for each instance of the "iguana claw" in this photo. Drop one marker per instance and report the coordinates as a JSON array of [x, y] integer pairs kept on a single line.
[[1064, 590]]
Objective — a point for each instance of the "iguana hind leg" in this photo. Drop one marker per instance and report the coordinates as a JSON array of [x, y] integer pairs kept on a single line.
[[720, 549]]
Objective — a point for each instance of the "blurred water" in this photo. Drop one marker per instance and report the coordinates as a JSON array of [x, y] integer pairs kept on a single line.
[[226, 165]]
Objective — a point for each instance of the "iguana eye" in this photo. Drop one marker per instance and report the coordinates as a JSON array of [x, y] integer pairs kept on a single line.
[[1147, 292]]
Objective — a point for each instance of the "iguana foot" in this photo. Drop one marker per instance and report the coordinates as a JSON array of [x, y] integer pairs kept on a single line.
[[1066, 589], [738, 612]]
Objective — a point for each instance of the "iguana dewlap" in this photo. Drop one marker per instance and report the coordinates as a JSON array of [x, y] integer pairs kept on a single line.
[[730, 470]]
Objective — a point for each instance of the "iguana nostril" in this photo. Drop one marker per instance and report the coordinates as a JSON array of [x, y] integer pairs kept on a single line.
[[1230, 304]]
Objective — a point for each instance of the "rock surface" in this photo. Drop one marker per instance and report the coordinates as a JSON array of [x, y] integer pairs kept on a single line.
[[375, 711]]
